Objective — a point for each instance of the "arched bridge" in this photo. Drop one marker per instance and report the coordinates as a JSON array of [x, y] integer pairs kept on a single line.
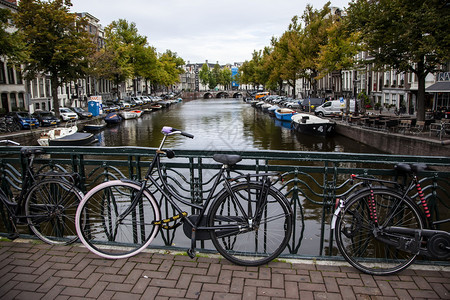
[[213, 94]]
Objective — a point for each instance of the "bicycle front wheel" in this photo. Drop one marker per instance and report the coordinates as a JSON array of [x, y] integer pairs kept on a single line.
[[251, 231], [104, 232], [362, 241], [50, 208]]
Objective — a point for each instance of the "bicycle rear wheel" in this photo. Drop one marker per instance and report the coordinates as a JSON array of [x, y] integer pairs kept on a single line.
[[50, 208], [102, 232], [356, 231], [250, 241]]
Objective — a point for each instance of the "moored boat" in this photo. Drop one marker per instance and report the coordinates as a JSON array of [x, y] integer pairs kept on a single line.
[[99, 125], [55, 133], [272, 109], [284, 114], [266, 106], [310, 124], [75, 139], [138, 113], [128, 114], [113, 118]]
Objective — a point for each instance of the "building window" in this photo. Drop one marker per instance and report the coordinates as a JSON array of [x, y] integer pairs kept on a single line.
[[11, 75], [36, 106], [21, 100], [19, 76], [41, 87], [2, 72], [394, 99], [34, 87], [12, 101], [386, 98]]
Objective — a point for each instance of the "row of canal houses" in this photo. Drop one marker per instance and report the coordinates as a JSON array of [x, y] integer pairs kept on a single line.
[[390, 88]]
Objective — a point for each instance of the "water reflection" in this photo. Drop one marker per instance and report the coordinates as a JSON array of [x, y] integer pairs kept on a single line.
[[222, 124]]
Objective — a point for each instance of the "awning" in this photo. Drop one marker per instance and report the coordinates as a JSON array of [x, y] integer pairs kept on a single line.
[[439, 87]]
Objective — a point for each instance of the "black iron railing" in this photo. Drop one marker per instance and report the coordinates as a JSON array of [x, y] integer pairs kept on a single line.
[[312, 181]]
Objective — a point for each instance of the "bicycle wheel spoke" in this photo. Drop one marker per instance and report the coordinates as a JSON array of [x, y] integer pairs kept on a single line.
[[50, 207], [105, 232], [255, 240], [361, 238]]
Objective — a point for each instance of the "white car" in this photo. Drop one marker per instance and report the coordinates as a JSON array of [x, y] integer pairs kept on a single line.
[[67, 114], [124, 104], [137, 100]]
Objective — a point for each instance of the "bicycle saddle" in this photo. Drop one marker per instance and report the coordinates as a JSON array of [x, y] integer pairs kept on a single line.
[[27, 151], [227, 159], [410, 168]]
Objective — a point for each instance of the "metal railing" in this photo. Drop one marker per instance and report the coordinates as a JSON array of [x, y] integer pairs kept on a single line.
[[311, 181]]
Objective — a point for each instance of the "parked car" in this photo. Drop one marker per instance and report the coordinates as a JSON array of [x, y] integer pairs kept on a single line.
[[82, 113], [24, 119], [292, 103], [136, 100], [124, 104], [113, 106], [46, 118], [67, 114], [334, 107], [309, 104]]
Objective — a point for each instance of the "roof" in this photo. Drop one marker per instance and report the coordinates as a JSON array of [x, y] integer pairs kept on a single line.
[[439, 87]]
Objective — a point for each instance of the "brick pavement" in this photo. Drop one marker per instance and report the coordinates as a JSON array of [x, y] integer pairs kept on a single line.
[[31, 270]]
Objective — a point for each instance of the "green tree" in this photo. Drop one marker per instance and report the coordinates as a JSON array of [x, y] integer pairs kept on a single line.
[[340, 50], [11, 45], [56, 42], [225, 77], [170, 68], [204, 74], [406, 35]]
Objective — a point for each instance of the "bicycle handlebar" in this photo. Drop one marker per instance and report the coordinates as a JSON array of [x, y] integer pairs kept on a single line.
[[9, 142], [166, 130]]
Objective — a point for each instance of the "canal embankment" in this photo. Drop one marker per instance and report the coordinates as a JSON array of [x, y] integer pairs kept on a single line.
[[395, 143]]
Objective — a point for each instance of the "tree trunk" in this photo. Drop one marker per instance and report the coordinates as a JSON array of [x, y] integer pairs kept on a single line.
[[54, 82], [421, 74]]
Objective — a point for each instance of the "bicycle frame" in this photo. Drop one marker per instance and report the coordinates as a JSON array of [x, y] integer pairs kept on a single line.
[[170, 195]]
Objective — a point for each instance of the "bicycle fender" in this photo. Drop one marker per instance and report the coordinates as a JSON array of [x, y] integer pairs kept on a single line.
[[335, 216], [130, 181]]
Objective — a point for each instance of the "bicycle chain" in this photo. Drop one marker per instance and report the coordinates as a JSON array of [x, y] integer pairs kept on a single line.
[[171, 219]]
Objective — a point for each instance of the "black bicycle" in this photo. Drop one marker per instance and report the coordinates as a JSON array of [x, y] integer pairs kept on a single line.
[[380, 230], [248, 221], [47, 201]]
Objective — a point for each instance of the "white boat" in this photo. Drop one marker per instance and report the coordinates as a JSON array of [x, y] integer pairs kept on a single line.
[[128, 114], [310, 124], [138, 112], [266, 106], [56, 133]]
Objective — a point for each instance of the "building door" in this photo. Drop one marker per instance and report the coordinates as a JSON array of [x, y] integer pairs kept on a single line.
[[5, 106]]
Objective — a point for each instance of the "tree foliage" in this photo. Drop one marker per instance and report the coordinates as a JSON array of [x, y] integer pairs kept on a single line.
[[405, 35], [56, 42], [11, 45]]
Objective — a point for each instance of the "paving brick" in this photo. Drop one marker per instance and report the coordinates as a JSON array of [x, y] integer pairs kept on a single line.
[[313, 287], [331, 285], [74, 291], [184, 281], [291, 289], [194, 290], [227, 296], [423, 294], [385, 288], [119, 287], [277, 281], [215, 287], [172, 292], [367, 291], [329, 296], [347, 292], [237, 285], [441, 290]]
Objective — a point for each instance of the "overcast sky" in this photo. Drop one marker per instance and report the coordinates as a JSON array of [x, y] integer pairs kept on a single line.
[[226, 31]]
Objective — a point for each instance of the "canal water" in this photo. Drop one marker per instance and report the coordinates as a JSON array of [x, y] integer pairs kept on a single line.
[[222, 124]]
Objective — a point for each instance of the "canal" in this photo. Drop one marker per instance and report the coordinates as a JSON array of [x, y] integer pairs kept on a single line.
[[222, 124]]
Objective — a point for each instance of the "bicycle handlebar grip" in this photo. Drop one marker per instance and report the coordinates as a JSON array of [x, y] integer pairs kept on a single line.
[[167, 130]]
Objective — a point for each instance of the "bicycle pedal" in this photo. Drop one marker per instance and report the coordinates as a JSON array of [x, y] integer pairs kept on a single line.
[[12, 236], [191, 253]]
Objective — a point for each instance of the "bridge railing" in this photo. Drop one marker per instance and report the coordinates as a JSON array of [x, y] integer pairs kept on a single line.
[[311, 181]]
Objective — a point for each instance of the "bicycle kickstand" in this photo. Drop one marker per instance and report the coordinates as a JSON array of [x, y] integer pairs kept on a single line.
[[191, 251], [13, 235]]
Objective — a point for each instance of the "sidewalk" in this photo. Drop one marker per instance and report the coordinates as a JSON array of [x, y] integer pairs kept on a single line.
[[31, 270]]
